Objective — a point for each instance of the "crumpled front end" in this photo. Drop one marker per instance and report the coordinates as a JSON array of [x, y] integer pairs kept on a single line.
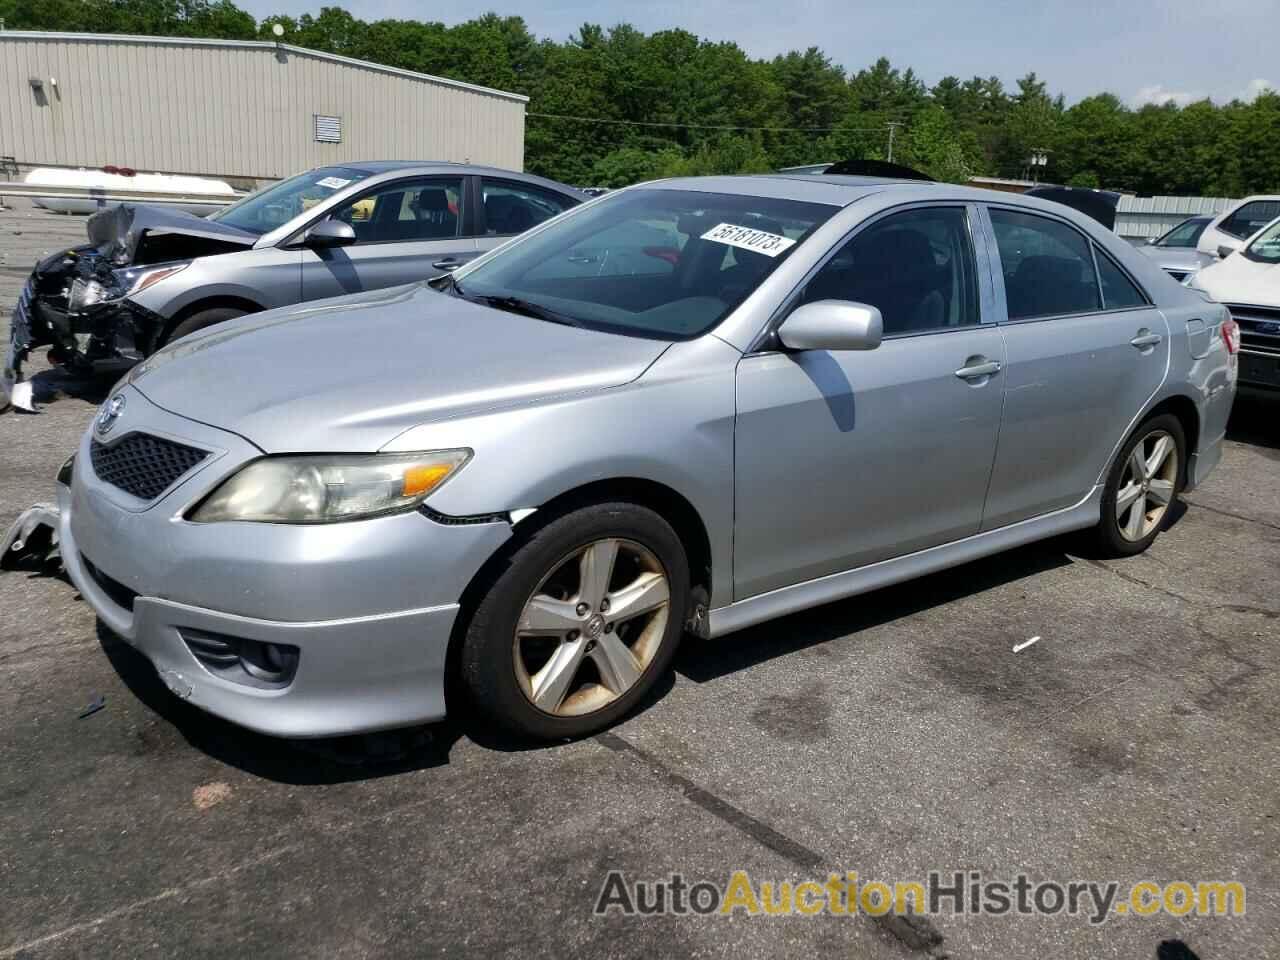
[[77, 301], [73, 303]]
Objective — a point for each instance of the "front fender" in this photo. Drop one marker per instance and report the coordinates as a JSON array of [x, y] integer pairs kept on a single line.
[[673, 426]]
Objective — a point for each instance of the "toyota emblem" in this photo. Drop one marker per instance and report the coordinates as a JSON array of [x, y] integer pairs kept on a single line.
[[110, 413]]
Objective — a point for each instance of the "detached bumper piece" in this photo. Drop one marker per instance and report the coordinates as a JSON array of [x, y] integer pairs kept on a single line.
[[32, 539]]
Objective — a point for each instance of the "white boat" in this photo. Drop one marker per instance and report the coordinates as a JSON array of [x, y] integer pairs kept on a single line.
[[200, 195]]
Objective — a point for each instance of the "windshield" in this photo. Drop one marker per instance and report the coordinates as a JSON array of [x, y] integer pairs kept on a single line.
[[667, 264], [1266, 245], [1185, 234], [279, 203]]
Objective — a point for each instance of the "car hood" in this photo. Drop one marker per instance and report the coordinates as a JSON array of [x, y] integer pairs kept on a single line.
[[351, 373], [118, 232], [1237, 279]]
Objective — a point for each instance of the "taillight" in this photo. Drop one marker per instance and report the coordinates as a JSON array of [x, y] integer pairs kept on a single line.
[[1231, 335]]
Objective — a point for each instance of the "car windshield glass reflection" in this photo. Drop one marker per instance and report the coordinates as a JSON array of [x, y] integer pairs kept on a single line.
[[667, 264], [1266, 245], [279, 203]]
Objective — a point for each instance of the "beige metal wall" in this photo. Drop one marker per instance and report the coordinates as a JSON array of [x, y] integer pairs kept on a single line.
[[231, 109]]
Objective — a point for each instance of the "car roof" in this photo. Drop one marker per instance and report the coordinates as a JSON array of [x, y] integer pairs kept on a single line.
[[380, 167], [844, 190]]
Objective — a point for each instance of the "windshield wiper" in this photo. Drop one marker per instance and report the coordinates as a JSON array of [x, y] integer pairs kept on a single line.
[[521, 306]]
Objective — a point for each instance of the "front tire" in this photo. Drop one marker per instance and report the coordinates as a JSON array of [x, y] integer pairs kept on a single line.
[[1142, 487], [579, 624], [203, 319]]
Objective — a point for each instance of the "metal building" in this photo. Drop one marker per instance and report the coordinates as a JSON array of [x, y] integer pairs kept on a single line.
[[234, 109]]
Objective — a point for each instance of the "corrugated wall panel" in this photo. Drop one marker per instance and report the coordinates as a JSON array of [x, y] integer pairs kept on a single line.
[[234, 110]]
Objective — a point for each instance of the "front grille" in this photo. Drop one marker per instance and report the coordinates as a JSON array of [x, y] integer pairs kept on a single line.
[[142, 465], [20, 325], [120, 595], [1259, 327]]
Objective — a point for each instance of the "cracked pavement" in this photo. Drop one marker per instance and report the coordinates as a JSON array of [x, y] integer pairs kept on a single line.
[[891, 734]]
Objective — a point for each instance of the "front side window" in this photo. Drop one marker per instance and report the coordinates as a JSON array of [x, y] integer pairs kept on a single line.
[[276, 205], [511, 208], [1185, 234], [407, 211], [917, 268], [1249, 218], [1047, 266], [668, 264], [1118, 291], [1266, 246]]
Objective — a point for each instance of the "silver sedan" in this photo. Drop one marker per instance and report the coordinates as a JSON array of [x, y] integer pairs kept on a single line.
[[680, 409]]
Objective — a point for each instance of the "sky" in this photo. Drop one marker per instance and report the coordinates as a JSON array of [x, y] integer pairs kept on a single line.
[[1143, 51]]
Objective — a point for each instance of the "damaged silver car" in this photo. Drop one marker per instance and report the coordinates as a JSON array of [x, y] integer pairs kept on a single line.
[[150, 275]]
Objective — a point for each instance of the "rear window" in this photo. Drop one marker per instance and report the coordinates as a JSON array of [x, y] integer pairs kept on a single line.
[[1118, 291], [1047, 265]]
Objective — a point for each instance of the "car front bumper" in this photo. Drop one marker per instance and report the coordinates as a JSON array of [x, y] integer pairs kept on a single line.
[[368, 605]]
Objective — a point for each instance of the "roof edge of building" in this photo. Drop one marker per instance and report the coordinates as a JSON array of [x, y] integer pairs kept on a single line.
[[259, 45]]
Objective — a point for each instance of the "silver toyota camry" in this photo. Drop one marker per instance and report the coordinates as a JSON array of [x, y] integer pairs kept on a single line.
[[680, 409]]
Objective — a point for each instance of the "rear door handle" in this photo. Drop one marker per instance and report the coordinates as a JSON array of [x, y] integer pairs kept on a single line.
[[1146, 338], [449, 263], [978, 367]]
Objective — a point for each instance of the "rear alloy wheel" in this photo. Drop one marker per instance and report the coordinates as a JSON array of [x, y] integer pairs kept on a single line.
[[1147, 485], [1143, 484], [580, 621]]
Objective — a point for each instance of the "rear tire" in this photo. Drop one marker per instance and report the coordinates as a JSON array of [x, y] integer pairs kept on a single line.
[[1142, 487], [582, 620], [203, 319]]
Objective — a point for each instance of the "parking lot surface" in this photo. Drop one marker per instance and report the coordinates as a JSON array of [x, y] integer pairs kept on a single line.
[[891, 734]]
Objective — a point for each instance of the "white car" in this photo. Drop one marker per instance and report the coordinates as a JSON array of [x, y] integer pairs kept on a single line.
[[1248, 282], [1230, 229]]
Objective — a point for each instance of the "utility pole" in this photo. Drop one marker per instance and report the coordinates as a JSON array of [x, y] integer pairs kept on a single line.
[[892, 125]]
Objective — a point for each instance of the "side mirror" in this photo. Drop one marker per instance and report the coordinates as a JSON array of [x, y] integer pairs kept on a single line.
[[1225, 251], [330, 233], [832, 325]]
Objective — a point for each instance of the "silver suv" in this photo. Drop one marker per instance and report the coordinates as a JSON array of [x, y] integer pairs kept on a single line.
[[150, 274], [685, 407]]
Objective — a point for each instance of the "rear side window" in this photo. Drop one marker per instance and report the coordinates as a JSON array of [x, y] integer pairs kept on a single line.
[[1250, 218], [511, 208], [1118, 291], [916, 267], [1047, 265]]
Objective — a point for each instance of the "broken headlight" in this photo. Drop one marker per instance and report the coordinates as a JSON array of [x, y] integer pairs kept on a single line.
[[85, 294], [329, 488]]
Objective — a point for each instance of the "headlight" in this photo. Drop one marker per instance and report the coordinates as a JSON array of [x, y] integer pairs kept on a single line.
[[133, 280], [85, 294], [329, 488]]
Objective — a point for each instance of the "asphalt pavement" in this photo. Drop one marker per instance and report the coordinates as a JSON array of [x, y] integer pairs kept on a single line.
[[891, 734]]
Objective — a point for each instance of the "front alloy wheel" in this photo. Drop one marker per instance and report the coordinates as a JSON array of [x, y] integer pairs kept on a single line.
[[591, 627], [583, 614]]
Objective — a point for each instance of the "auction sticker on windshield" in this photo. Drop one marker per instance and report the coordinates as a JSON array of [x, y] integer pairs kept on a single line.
[[757, 241], [333, 183]]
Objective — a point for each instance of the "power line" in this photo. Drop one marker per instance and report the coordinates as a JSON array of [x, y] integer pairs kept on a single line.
[[708, 126]]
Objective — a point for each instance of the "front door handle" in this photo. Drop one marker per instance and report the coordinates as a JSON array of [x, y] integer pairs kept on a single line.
[[975, 368], [1145, 339], [449, 263]]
